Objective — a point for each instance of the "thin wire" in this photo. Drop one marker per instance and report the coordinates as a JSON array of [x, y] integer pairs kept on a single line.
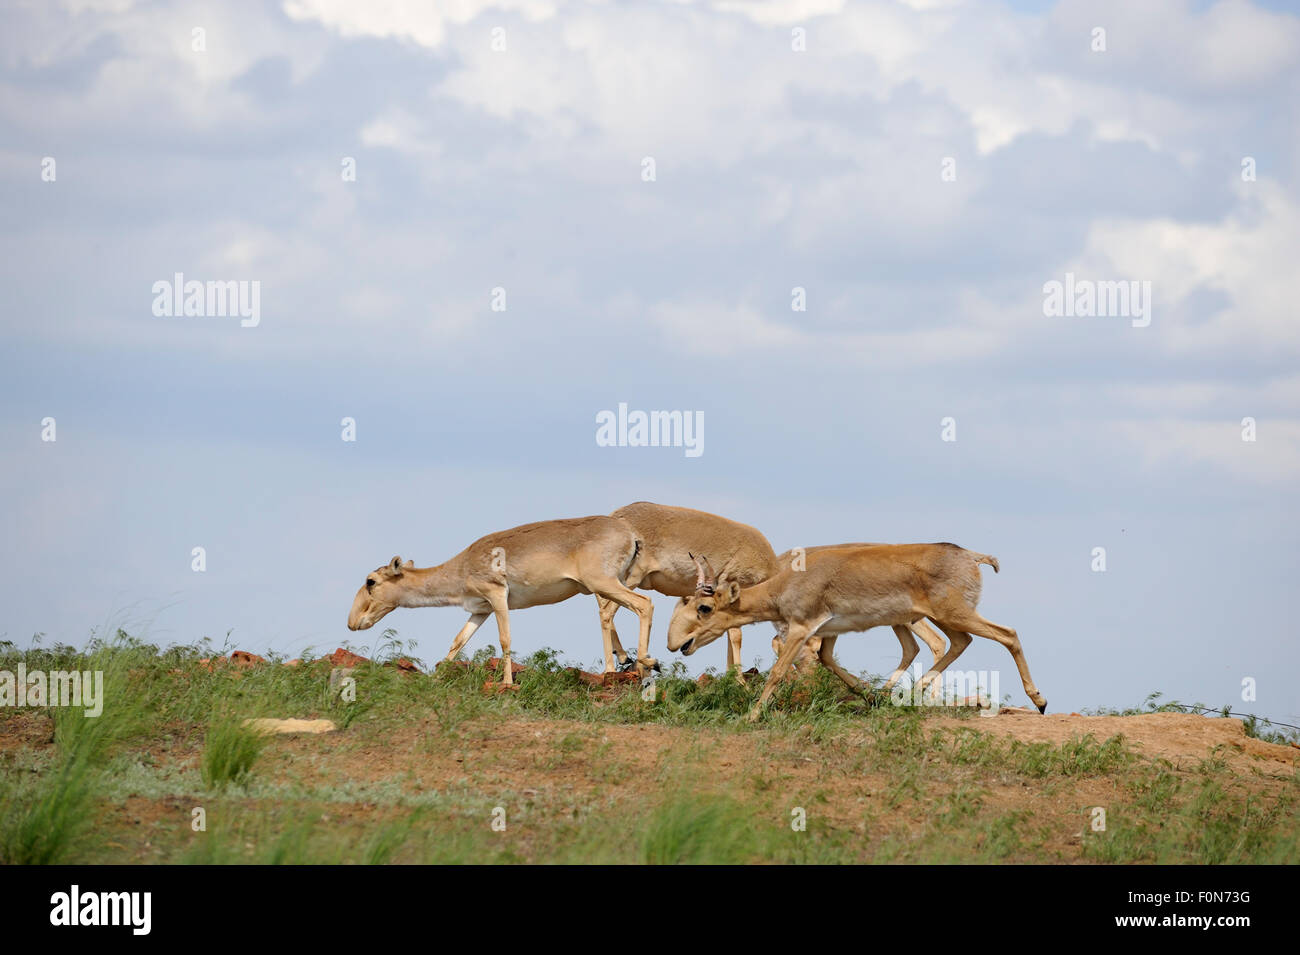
[[1198, 708]]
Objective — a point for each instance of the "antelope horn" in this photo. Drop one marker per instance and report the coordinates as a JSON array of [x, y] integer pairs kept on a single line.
[[704, 579]]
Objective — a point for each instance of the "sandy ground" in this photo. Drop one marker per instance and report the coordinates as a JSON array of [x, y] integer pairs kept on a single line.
[[1181, 738], [557, 769]]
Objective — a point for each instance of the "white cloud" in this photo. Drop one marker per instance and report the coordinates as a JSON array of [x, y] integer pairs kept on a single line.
[[829, 151], [724, 329], [1249, 257], [1169, 44], [887, 342], [153, 70], [1250, 396], [423, 23], [1178, 444], [780, 12]]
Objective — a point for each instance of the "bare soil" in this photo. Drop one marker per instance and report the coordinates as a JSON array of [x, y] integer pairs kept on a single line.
[[554, 770], [1181, 738]]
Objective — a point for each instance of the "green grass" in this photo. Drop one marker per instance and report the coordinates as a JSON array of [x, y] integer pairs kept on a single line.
[[691, 830], [878, 783], [44, 816], [229, 752], [41, 823], [1256, 727]]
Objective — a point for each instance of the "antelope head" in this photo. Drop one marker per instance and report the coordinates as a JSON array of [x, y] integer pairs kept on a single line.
[[380, 594], [704, 616]]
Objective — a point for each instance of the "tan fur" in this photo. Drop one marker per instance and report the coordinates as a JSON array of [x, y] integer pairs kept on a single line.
[[526, 566], [846, 589], [811, 654], [669, 536]]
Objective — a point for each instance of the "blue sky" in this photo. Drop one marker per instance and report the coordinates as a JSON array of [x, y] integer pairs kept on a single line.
[[522, 169]]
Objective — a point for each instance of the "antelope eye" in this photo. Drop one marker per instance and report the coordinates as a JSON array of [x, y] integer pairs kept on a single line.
[[705, 610], [370, 583]]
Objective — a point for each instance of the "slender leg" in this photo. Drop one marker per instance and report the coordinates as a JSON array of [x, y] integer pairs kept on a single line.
[[976, 624], [475, 621], [733, 654], [778, 640], [606, 625], [826, 653], [640, 605], [806, 661], [910, 650], [620, 654], [959, 640], [502, 611], [931, 639], [795, 638], [609, 635]]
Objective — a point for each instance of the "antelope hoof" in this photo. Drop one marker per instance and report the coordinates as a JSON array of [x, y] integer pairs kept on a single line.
[[626, 665]]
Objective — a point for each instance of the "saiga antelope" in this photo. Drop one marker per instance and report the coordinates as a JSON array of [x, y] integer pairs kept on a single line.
[[526, 566], [846, 589], [669, 537], [812, 647]]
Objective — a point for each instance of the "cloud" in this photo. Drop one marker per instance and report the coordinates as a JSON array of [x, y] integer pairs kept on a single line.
[[521, 169], [423, 23], [1176, 445], [1248, 258]]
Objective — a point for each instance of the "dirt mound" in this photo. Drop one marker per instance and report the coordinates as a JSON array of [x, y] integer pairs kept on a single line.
[[1177, 737], [339, 659]]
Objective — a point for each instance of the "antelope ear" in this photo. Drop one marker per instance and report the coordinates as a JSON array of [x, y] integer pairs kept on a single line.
[[733, 591], [409, 565], [395, 566]]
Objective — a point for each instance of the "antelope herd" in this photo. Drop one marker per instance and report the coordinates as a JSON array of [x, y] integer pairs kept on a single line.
[[727, 576]]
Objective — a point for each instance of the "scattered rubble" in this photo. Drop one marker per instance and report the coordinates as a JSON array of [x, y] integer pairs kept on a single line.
[[340, 659]]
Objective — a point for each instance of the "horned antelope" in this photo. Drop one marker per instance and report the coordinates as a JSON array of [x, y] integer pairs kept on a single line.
[[811, 651], [846, 589], [670, 539], [526, 566]]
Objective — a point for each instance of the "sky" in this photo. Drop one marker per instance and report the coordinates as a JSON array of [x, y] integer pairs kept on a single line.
[[826, 228]]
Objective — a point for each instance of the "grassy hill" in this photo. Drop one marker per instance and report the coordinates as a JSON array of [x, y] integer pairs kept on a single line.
[[439, 768]]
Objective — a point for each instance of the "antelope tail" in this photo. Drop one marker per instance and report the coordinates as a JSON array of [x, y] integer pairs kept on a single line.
[[986, 559], [636, 551]]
